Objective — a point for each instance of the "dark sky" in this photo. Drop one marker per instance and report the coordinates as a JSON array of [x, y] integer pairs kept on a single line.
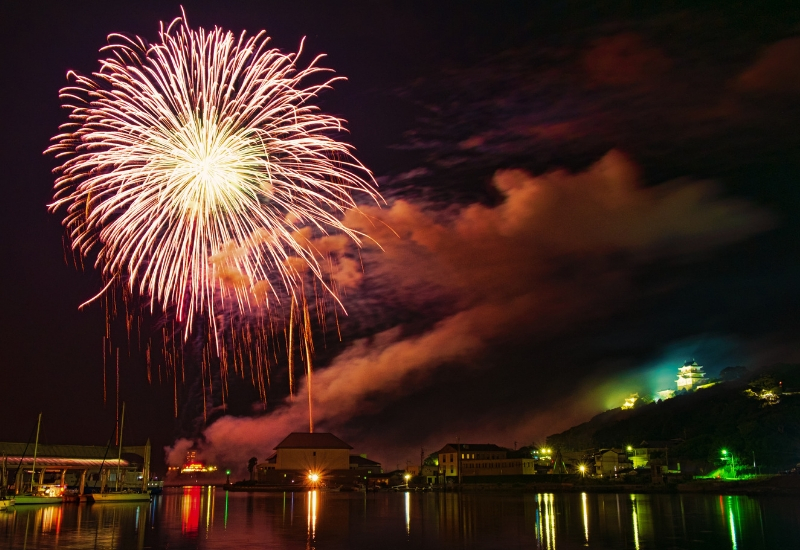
[[586, 194]]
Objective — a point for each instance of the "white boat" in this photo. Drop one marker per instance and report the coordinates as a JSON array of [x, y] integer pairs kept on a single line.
[[120, 496], [6, 503]]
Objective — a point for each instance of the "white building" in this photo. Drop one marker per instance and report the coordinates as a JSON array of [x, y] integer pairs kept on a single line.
[[690, 376]]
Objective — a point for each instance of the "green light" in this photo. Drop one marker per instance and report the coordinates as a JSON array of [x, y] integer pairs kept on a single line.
[[227, 472], [630, 448], [724, 451]]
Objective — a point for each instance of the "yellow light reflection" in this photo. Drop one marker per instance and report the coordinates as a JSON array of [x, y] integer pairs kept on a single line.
[[312, 517], [585, 518], [209, 506], [51, 519], [635, 523], [548, 533]]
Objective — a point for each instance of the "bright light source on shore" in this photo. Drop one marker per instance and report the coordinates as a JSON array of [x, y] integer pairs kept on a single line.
[[313, 477], [407, 476]]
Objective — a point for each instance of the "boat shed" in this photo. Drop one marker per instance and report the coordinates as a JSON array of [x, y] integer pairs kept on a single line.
[[79, 462]]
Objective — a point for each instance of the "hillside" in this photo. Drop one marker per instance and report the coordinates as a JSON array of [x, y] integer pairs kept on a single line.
[[705, 421]]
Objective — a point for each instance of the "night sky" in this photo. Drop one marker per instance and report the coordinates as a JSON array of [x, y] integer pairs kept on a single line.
[[581, 196]]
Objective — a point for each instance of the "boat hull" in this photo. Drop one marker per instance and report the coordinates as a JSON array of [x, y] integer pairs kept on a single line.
[[21, 500], [120, 497], [6, 503]]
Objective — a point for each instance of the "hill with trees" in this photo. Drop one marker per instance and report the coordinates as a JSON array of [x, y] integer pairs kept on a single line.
[[755, 416]]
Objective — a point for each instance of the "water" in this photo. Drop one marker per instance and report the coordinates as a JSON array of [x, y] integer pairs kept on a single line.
[[213, 519]]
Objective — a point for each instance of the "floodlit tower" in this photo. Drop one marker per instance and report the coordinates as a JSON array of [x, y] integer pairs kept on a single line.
[[690, 376]]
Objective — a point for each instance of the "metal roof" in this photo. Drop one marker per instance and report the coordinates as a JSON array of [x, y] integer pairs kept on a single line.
[[317, 440], [64, 463], [67, 451]]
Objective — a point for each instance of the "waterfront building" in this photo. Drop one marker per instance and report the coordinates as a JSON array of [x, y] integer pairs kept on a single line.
[[84, 467], [452, 454], [312, 452], [498, 467], [363, 464], [322, 455], [607, 462], [650, 453]]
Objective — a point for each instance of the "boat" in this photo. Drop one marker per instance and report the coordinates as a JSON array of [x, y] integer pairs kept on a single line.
[[32, 498], [43, 494], [6, 501], [119, 495], [155, 486]]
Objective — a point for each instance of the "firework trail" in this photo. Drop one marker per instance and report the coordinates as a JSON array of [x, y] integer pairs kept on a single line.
[[206, 182]]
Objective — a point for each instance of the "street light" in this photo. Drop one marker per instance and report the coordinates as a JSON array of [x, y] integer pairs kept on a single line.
[[582, 468], [313, 477], [407, 477]]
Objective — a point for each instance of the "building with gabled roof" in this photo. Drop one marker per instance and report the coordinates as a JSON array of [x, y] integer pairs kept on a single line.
[[315, 452], [362, 463]]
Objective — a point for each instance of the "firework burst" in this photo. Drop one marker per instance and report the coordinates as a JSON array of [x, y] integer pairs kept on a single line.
[[201, 175]]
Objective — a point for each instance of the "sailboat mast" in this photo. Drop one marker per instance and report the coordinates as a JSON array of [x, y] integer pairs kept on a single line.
[[119, 452], [35, 450]]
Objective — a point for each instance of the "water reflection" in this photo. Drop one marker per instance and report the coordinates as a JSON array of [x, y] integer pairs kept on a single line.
[[188, 518], [190, 510], [312, 518], [635, 517], [408, 512], [585, 518]]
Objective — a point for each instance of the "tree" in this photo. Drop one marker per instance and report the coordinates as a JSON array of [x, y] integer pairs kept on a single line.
[[732, 373], [251, 467]]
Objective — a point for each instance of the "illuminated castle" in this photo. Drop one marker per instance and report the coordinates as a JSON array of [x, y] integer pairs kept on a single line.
[[690, 376]]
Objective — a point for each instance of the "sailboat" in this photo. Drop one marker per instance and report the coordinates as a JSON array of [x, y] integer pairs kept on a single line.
[[120, 495], [39, 495], [5, 500]]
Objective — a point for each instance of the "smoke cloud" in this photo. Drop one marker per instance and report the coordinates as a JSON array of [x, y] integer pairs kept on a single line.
[[557, 249]]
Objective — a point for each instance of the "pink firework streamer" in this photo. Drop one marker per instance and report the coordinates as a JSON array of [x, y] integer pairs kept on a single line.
[[198, 171]]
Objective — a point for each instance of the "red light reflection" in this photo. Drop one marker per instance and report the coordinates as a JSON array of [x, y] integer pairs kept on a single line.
[[190, 510]]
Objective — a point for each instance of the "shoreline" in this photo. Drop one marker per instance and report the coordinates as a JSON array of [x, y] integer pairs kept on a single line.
[[777, 485]]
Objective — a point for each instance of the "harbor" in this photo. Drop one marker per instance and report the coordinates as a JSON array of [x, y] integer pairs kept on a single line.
[[34, 474]]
